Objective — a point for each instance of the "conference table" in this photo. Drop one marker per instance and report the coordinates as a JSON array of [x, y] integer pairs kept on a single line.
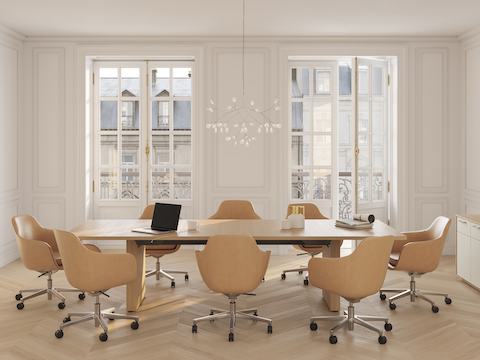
[[265, 232]]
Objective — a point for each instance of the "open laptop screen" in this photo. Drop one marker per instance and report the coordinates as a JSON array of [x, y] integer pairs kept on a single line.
[[165, 216]]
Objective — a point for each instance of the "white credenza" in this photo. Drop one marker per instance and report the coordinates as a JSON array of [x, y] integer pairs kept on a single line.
[[468, 249]]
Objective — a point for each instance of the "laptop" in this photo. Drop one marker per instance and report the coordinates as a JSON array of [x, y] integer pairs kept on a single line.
[[165, 219]]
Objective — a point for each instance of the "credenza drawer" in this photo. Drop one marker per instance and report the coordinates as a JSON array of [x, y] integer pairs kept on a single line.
[[462, 226], [475, 231]]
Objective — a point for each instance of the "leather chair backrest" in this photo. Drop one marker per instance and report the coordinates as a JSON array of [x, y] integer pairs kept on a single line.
[[232, 264], [235, 209], [311, 210]]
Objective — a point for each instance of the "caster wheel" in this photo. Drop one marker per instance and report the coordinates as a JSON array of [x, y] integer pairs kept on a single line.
[[61, 305], [18, 297], [300, 272], [435, 309], [186, 277], [194, 329], [103, 337], [66, 319], [383, 296], [20, 306], [81, 296], [269, 329], [212, 320], [388, 327], [313, 326], [392, 306], [255, 314], [305, 282], [231, 337], [448, 301], [59, 334], [172, 284], [382, 339], [134, 325], [333, 339], [283, 277]]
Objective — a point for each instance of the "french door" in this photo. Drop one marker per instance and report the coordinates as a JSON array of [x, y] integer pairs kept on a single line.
[[338, 135], [142, 149]]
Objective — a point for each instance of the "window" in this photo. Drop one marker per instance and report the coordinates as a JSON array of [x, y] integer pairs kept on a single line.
[[143, 132]]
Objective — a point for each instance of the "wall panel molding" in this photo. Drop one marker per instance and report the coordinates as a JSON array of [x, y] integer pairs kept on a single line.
[[49, 118], [50, 211], [431, 125]]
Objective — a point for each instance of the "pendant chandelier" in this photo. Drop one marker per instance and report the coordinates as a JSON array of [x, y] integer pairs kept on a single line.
[[242, 120]]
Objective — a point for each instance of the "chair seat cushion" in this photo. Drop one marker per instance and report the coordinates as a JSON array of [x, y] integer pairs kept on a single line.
[[311, 249], [160, 250]]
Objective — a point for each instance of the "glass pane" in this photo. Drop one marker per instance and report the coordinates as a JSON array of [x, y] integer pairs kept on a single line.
[[363, 114], [160, 183], [345, 122], [182, 149], [301, 150], [108, 184], [378, 160], [378, 82], [363, 138], [345, 159], [345, 79], [130, 150], [161, 82], [300, 180], [363, 159], [322, 184], [363, 186], [182, 118], [322, 82], [322, 117], [108, 115], [160, 149], [377, 186], [363, 79], [182, 184], [108, 150], [297, 116], [130, 167], [108, 81], [130, 115], [378, 121], [182, 81], [130, 82], [322, 150], [130, 183], [300, 82], [160, 115]]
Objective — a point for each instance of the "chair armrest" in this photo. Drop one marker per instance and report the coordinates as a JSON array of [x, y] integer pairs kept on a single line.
[[411, 236], [420, 256], [38, 255], [328, 273]]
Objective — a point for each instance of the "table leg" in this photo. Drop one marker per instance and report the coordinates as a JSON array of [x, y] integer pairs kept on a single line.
[[136, 288], [332, 300]]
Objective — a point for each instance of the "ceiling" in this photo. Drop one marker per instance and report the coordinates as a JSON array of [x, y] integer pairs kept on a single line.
[[223, 17]]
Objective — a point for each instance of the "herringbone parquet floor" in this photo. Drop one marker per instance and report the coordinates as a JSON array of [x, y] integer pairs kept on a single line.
[[165, 331]]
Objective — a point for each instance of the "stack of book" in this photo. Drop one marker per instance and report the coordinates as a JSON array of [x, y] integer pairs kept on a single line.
[[353, 224]]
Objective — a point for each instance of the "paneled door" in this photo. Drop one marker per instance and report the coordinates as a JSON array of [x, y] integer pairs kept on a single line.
[[142, 141], [371, 142]]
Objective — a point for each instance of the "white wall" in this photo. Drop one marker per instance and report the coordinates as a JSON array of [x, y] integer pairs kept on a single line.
[[428, 151], [470, 55], [11, 49]]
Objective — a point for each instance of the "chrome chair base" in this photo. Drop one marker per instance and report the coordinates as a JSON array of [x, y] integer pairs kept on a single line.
[[98, 316], [232, 314], [414, 294], [348, 320], [159, 272], [50, 291]]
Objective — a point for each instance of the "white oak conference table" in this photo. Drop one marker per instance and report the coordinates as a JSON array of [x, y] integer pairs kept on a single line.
[[265, 232]]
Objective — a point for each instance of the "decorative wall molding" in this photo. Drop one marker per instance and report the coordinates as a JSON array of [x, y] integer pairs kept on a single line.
[[49, 120], [431, 125], [50, 211]]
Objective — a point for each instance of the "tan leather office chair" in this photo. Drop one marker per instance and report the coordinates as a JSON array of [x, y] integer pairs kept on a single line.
[[235, 209], [232, 265], [353, 277], [157, 251], [94, 273], [419, 254], [39, 252], [311, 212]]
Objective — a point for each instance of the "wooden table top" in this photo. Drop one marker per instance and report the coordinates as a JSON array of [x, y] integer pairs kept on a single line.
[[316, 232]]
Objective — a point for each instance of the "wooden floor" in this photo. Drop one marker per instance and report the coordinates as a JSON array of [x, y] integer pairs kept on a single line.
[[165, 331]]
